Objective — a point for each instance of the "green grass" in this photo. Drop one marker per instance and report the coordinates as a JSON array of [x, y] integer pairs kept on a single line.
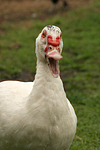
[[80, 66]]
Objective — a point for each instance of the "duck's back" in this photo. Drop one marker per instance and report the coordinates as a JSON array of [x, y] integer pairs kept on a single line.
[[13, 96], [11, 90]]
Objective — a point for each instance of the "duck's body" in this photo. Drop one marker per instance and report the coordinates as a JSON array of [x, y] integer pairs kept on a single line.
[[36, 116]]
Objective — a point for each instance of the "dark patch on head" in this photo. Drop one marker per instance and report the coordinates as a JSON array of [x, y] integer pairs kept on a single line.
[[50, 26]]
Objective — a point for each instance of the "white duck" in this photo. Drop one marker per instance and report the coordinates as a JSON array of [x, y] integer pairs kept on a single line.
[[38, 116]]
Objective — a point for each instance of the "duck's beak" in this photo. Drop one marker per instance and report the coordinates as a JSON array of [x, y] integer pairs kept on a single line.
[[54, 54]]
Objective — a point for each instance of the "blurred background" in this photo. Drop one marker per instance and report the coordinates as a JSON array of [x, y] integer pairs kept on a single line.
[[20, 23]]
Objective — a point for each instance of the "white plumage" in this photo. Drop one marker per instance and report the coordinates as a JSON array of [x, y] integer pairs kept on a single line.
[[38, 116]]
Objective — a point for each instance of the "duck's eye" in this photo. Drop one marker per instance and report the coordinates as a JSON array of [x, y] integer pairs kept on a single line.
[[44, 34]]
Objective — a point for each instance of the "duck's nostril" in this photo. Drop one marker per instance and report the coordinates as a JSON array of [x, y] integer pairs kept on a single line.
[[58, 49]]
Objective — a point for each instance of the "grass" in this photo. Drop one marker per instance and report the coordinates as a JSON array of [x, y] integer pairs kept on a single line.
[[80, 66]]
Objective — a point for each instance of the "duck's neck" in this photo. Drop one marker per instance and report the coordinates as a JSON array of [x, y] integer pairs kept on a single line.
[[47, 91], [44, 82], [43, 71]]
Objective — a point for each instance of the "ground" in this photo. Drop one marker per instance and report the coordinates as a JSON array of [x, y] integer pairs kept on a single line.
[[18, 10]]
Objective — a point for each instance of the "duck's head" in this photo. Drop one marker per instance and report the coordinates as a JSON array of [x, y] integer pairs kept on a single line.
[[49, 46]]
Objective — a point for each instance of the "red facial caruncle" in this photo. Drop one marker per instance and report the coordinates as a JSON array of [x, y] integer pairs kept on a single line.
[[53, 43]]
